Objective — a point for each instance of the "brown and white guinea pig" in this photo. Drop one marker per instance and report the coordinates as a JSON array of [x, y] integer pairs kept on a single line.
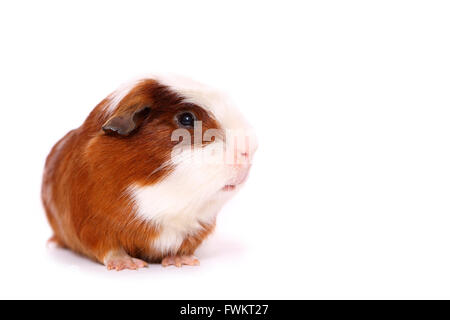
[[144, 177]]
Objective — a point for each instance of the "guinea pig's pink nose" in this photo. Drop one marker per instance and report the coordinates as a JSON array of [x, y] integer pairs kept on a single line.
[[241, 148], [240, 167], [242, 156]]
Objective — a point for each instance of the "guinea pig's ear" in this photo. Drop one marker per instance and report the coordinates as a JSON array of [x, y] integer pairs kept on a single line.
[[127, 122]]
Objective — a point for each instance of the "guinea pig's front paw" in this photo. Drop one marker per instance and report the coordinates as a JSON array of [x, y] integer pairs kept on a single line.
[[178, 261], [120, 260]]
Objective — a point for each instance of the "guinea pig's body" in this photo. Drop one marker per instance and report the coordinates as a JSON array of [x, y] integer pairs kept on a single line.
[[144, 177]]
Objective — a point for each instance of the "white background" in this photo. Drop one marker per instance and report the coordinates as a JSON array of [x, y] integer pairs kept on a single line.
[[349, 195]]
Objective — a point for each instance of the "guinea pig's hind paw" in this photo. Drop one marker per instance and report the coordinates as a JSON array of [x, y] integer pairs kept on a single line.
[[178, 261], [124, 262]]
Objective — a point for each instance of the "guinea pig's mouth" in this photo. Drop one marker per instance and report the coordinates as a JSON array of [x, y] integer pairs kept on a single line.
[[229, 187]]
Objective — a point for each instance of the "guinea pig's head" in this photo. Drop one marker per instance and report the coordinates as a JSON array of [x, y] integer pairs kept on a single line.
[[175, 135]]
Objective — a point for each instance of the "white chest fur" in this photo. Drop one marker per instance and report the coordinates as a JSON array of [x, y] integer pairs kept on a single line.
[[176, 214]]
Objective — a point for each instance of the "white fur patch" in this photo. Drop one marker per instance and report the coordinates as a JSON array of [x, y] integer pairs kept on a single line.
[[211, 99], [190, 195]]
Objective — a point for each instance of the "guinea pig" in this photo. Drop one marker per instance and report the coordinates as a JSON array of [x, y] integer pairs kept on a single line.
[[144, 177]]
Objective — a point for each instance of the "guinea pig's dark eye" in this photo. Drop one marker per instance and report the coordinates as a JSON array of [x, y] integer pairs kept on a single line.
[[186, 119]]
